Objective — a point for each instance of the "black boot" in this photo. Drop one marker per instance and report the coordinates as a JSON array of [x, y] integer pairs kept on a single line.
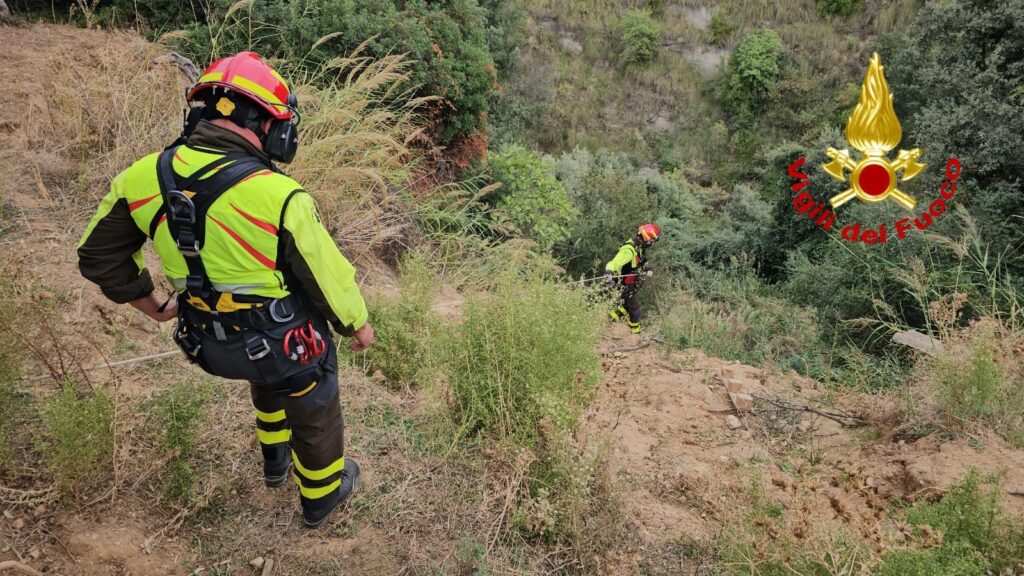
[[275, 473], [315, 513]]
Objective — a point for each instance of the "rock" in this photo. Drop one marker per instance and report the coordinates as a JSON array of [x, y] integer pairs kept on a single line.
[[257, 562], [34, 553], [733, 422], [39, 511], [746, 435], [918, 341], [729, 373], [18, 523], [734, 385], [571, 45], [378, 376], [742, 402]]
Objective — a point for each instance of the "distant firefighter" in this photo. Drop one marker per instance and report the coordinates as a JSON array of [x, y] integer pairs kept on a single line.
[[627, 270]]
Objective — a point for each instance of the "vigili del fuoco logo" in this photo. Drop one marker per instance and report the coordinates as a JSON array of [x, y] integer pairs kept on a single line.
[[874, 131]]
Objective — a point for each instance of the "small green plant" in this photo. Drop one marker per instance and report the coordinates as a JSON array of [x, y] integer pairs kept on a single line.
[[720, 29], [406, 330], [78, 437], [972, 532], [641, 36], [840, 7], [175, 416], [531, 199], [522, 356]]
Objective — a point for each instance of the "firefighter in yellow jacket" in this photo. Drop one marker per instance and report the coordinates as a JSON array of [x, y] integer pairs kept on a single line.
[[627, 270], [259, 280]]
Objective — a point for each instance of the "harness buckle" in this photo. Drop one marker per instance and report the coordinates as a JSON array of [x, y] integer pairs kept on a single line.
[[187, 250], [277, 316], [257, 348], [180, 207]]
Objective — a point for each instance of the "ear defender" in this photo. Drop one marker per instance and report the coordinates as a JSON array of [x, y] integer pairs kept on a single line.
[[282, 139]]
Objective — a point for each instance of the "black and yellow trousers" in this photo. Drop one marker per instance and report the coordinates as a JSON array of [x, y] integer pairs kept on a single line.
[[308, 425], [629, 308]]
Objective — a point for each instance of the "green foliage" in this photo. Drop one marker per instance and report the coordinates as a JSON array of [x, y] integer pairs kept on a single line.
[[78, 437], [754, 67], [720, 29], [447, 43], [840, 7], [406, 342], [732, 315], [977, 536], [509, 364], [531, 198], [641, 36], [971, 389], [176, 416], [617, 200], [966, 99]]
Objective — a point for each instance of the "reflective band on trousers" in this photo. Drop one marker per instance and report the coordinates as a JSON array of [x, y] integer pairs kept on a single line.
[[314, 493], [276, 437], [270, 417], [321, 474]]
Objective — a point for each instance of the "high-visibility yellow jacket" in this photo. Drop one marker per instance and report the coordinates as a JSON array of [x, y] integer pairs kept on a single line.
[[628, 259], [262, 236]]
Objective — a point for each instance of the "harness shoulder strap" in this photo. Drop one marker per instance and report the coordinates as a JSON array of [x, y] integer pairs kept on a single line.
[[186, 213]]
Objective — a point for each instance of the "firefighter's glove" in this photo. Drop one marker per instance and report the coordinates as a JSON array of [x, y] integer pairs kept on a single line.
[[609, 279]]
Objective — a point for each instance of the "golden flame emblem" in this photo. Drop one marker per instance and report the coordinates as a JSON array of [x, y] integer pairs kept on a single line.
[[874, 130]]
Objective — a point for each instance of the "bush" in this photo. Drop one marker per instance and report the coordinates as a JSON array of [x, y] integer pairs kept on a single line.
[[524, 355], [720, 29], [406, 342], [78, 437], [839, 7], [754, 67], [641, 36], [977, 537], [978, 380], [445, 42], [531, 198], [175, 417]]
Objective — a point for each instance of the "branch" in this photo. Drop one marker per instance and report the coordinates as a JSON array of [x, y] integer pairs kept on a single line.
[[844, 419], [13, 565]]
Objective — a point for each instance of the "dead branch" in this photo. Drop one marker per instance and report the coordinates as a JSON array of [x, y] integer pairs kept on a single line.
[[639, 346], [844, 419], [14, 565], [183, 63]]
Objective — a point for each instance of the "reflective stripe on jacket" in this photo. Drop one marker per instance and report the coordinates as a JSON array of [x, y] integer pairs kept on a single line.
[[261, 228]]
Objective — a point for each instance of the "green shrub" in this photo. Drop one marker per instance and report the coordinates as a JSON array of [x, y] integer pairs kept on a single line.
[[405, 347], [754, 67], [977, 536], [524, 355], [641, 36], [720, 29], [978, 380], [531, 198], [78, 437], [175, 417], [447, 44], [839, 7]]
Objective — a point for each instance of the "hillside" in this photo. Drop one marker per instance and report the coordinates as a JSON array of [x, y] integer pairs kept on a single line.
[[638, 470]]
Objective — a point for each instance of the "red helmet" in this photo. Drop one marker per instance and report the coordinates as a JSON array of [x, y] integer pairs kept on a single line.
[[247, 74], [649, 233]]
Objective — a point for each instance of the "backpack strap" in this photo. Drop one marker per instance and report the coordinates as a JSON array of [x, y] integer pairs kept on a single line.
[[186, 201]]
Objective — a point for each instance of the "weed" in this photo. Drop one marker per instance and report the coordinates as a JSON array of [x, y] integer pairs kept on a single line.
[[78, 437], [524, 355], [966, 532], [407, 332], [175, 416]]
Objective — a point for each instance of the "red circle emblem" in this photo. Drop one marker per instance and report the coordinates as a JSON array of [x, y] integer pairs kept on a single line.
[[874, 180]]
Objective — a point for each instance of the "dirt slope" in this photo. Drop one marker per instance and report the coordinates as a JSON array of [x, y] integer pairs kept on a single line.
[[685, 473]]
